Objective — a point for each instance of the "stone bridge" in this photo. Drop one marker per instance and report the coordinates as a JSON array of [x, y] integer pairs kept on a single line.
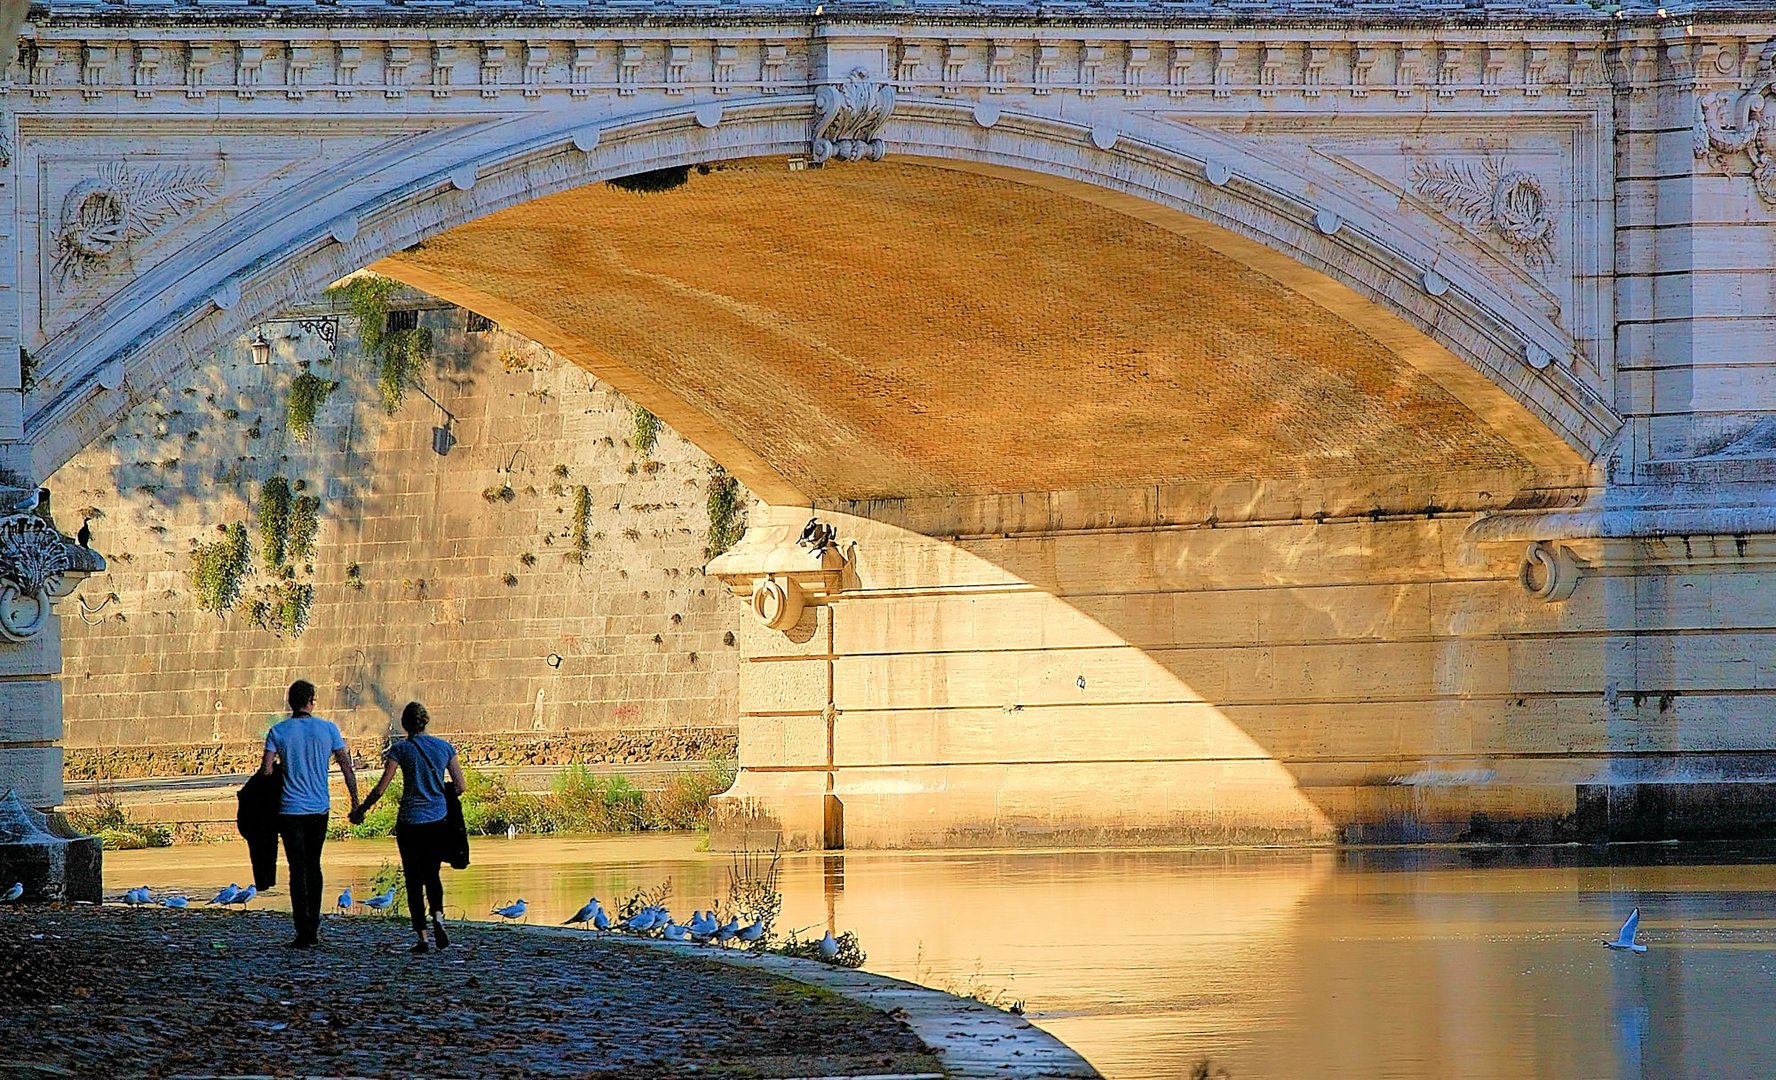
[[1240, 421]]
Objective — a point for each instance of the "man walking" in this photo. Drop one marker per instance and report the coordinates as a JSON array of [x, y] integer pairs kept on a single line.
[[306, 743]]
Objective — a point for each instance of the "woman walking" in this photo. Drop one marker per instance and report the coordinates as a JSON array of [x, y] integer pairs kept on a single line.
[[423, 831]]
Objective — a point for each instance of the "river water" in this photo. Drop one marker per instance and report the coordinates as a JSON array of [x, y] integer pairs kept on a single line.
[[1268, 963]]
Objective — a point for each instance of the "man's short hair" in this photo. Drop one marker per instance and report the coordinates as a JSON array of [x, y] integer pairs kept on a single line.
[[302, 695]]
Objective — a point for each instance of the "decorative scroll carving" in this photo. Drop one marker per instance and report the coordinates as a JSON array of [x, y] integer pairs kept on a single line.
[[1511, 204], [848, 118], [1548, 572], [118, 206], [6, 143], [38, 566], [1729, 123]]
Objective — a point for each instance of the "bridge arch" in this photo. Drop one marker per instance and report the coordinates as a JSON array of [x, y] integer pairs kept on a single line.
[[1478, 344]]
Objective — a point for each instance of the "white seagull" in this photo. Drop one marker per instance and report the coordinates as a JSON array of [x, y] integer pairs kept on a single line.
[[600, 920], [725, 932], [585, 914], [11, 895], [345, 900], [752, 933], [243, 897], [226, 896], [1625, 936], [175, 902], [675, 932], [829, 947], [513, 910], [380, 903]]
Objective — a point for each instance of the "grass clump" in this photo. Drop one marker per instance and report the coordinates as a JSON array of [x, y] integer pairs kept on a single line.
[[218, 568], [274, 522], [305, 527], [582, 524], [645, 433], [727, 519], [106, 820], [308, 393]]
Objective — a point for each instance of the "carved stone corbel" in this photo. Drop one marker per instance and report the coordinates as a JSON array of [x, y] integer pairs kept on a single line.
[[779, 577], [1729, 123], [848, 119], [38, 566], [1548, 571]]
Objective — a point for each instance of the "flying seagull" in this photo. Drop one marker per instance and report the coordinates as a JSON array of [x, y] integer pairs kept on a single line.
[[513, 910], [1625, 936]]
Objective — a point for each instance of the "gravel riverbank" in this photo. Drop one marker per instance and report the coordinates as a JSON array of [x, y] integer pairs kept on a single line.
[[116, 992]]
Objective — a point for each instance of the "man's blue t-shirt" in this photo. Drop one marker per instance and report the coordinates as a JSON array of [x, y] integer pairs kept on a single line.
[[306, 743]]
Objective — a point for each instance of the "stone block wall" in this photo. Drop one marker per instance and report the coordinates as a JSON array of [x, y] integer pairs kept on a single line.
[[1124, 667], [452, 578]]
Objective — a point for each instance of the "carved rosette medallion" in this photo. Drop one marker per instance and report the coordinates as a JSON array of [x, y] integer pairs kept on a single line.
[[38, 566], [1729, 123], [849, 117], [104, 213], [1510, 204]]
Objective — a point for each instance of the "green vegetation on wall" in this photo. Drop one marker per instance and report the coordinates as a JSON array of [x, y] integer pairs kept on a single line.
[[307, 394], [401, 354], [274, 522], [305, 526], [647, 430], [727, 520], [219, 567], [582, 524]]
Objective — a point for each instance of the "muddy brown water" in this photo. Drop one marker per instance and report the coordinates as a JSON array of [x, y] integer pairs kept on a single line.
[[1269, 963]]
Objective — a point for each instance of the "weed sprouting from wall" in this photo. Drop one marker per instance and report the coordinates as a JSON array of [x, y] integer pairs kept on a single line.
[[500, 493], [218, 568], [727, 518], [582, 524], [274, 522], [354, 576], [308, 392], [401, 353], [404, 354], [305, 526], [646, 433]]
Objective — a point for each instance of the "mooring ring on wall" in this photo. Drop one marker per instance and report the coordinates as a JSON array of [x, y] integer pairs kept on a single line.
[[1548, 572], [777, 603], [22, 614]]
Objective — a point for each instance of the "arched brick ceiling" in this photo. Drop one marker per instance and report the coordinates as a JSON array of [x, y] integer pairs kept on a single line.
[[889, 329]]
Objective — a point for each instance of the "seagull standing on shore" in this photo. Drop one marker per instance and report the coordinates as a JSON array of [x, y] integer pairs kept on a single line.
[[829, 947], [243, 897], [345, 900], [1625, 936], [752, 933], [11, 895], [675, 932], [585, 914], [174, 902], [600, 920], [380, 903], [226, 896], [512, 911]]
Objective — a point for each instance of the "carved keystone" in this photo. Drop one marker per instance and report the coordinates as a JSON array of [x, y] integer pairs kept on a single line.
[[848, 118], [38, 566], [779, 577]]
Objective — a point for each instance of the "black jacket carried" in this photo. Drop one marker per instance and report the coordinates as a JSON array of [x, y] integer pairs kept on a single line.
[[257, 820]]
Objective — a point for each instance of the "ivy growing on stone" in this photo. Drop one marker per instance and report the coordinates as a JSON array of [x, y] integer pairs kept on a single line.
[[274, 522], [646, 432], [218, 568], [727, 518], [307, 394], [401, 353]]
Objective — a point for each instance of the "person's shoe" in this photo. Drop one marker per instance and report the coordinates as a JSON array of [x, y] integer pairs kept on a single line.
[[420, 946], [301, 943], [438, 933]]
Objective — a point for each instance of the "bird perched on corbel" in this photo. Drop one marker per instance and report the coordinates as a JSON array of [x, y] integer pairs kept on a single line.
[[85, 535], [817, 536]]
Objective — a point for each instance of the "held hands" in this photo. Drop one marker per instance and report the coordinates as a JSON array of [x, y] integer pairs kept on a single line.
[[356, 817]]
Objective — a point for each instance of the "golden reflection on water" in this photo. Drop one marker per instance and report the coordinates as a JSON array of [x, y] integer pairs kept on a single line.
[[1273, 963]]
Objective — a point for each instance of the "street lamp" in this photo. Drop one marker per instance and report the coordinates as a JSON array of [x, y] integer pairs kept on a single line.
[[261, 348]]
